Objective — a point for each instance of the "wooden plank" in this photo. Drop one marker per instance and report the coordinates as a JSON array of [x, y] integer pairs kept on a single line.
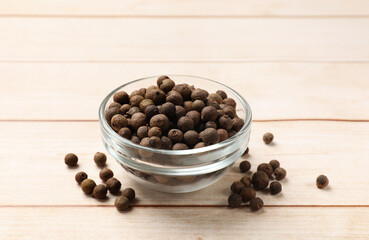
[[88, 39], [274, 90], [186, 8], [188, 223], [33, 152]]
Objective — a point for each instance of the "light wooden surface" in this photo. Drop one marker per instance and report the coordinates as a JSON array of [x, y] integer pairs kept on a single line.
[[302, 65]]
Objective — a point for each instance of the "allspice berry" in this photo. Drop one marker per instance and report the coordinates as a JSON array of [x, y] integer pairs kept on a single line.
[[198, 105], [160, 80], [169, 110], [133, 110], [113, 185], [234, 200], [137, 120], [106, 174], [185, 124], [188, 105], [175, 98], [247, 194], [256, 204], [151, 111], [100, 191], [80, 176], [275, 188], [230, 102], [230, 111], [161, 121], [237, 187], [118, 121], [124, 108], [135, 100], [180, 111], [225, 122], [237, 123], [209, 136], [280, 173], [167, 85], [222, 94], [199, 145], [260, 180], [166, 143], [199, 94], [122, 203], [71, 159], [246, 181], [175, 135], [155, 142], [265, 167], [88, 185], [114, 104], [100, 159], [125, 133], [157, 95], [180, 146], [223, 134], [110, 112], [245, 166], [191, 138], [129, 193], [268, 138], [143, 132], [184, 90], [275, 164], [121, 97], [216, 97], [155, 132], [322, 181], [211, 124], [145, 103], [209, 113]]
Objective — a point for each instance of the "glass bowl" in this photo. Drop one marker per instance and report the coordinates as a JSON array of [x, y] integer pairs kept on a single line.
[[177, 171]]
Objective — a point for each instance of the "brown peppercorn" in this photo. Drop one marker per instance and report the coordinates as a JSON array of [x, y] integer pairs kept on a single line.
[[195, 116], [185, 124], [199, 94], [322, 181], [223, 134], [184, 90], [180, 111], [199, 145], [100, 191], [174, 97], [212, 102], [157, 95], [110, 112], [135, 139], [265, 167], [169, 110], [80, 176], [231, 133], [160, 80], [167, 85], [247, 194], [145, 142], [105, 174], [226, 122], [260, 180], [275, 188], [124, 108], [230, 111], [100, 159], [209, 113], [138, 92], [125, 133], [137, 120], [88, 185], [121, 97], [234, 200], [191, 138], [180, 146], [256, 204], [230, 102], [152, 87], [143, 132], [222, 94], [151, 111], [118, 121], [268, 138], [275, 164], [129, 193], [246, 152], [216, 97], [135, 100], [71, 159], [220, 113], [245, 166], [161, 121], [166, 142], [154, 132], [113, 185], [237, 187], [246, 181], [145, 103], [122, 203], [188, 106], [155, 142], [175, 135], [210, 124], [210, 136], [114, 104], [280, 173], [198, 105], [133, 110]]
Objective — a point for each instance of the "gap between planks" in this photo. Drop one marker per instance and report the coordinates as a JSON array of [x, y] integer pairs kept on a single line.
[[225, 61]]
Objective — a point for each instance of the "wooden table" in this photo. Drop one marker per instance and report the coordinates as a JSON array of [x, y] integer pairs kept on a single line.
[[302, 65]]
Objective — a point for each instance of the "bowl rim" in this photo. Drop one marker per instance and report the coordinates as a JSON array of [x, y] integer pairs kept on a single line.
[[105, 126]]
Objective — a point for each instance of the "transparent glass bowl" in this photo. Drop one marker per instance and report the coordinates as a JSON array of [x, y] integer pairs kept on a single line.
[[177, 171]]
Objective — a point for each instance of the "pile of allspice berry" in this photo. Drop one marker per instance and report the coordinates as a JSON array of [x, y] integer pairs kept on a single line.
[[173, 116], [100, 191]]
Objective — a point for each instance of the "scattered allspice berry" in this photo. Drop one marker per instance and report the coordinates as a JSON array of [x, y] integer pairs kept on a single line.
[[106, 174], [275, 164], [100, 191], [247, 194], [88, 185], [268, 138], [122, 203], [280, 173], [100, 159], [80, 176], [129, 193], [246, 181], [237, 187], [71, 159], [256, 204], [265, 167], [260, 180], [113, 185], [322, 181], [245, 166], [234, 200], [275, 188]]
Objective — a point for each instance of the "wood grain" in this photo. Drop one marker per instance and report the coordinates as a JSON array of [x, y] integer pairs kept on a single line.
[[33, 158], [71, 91], [163, 223], [43, 39], [191, 8]]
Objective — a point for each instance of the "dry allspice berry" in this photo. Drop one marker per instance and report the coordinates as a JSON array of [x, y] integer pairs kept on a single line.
[[265, 167], [245, 166], [234, 200], [256, 204], [100, 159], [268, 137], [88, 185], [106, 174], [247, 194], [129, 193], [280, 173], [113, 185], [322, 181], [275, 188], [122, 203], [260, 180], [100, 191], [80, 176], [275, 164], [71, 159], [237, 187], [246, 181]]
